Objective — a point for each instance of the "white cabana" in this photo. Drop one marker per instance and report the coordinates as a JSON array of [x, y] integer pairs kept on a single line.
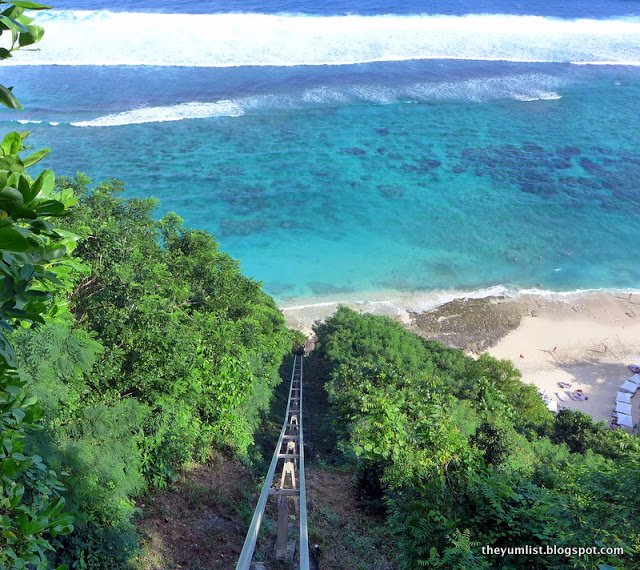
[[625, 420], [630, 387], [623, 397], [635, 379], [623, 408]]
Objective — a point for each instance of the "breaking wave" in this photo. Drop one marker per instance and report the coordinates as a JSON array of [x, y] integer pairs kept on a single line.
[[179, 112], [523, 87], [419, 302], [227, 40]]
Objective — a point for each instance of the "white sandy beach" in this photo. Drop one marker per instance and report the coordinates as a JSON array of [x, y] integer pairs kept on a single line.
[[585, 339]]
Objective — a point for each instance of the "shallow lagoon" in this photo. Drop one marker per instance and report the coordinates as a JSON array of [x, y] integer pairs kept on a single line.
[[422, 175]]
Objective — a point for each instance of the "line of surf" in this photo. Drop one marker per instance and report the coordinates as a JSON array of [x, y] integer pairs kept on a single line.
[[421, 301], [230, 40], [519, 87]]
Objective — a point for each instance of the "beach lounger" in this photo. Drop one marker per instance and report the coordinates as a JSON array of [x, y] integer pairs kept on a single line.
[[623, 397], [635, 379], [625, 420], [623, 408], [630, 387]]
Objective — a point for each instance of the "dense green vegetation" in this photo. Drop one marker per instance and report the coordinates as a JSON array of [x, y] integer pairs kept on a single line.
[[151, 349], [461, 454], [31, 267], [166, 351]]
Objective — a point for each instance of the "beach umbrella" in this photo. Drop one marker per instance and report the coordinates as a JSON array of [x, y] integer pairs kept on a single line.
[[624, 408], [625, 420], [630, 387], [623, 397]]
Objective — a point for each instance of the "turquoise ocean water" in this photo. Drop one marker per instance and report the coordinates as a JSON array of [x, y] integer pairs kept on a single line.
[[428, 173]]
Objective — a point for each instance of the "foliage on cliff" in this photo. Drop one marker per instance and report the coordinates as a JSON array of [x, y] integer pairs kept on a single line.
[[33, 256], [167, 352], [462, 454]]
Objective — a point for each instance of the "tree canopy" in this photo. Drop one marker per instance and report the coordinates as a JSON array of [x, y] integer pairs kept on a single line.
[[463, 454]]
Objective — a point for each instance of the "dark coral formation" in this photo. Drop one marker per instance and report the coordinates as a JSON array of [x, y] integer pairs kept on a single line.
[[230, 227], [353, 151], [390, 190], [548, 172], [422, 165]]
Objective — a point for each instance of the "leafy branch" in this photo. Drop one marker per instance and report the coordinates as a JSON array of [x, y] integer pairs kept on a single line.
[[23, 33]]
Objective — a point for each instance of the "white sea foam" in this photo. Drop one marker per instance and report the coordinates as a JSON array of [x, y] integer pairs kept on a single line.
[[522, 87], [225, 40], [540, 97], [36, 122], [421, 301], [416, 302], [179, 112], [428, 301]]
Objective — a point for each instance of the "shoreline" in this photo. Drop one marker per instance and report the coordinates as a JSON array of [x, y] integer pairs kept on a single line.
[[301, 312], [585, 338]]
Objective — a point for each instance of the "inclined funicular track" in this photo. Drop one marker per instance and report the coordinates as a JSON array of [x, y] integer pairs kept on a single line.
[[288, 488]]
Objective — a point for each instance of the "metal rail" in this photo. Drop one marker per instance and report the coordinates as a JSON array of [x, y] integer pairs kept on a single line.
[[293, 453], [304, 535]]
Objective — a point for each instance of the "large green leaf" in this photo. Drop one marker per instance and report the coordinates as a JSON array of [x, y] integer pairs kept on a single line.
[[25, 187], [35, 157], [49, 208], [11, 143], [8, 23], [12, 11], [44, 184], [31, 36], [7, 353], [9, 468], [14, 180], [10, 199], [8, 99], [12, 240], [12, 163]]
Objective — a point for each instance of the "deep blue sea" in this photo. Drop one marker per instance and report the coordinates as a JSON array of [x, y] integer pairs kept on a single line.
[[337, 147]]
